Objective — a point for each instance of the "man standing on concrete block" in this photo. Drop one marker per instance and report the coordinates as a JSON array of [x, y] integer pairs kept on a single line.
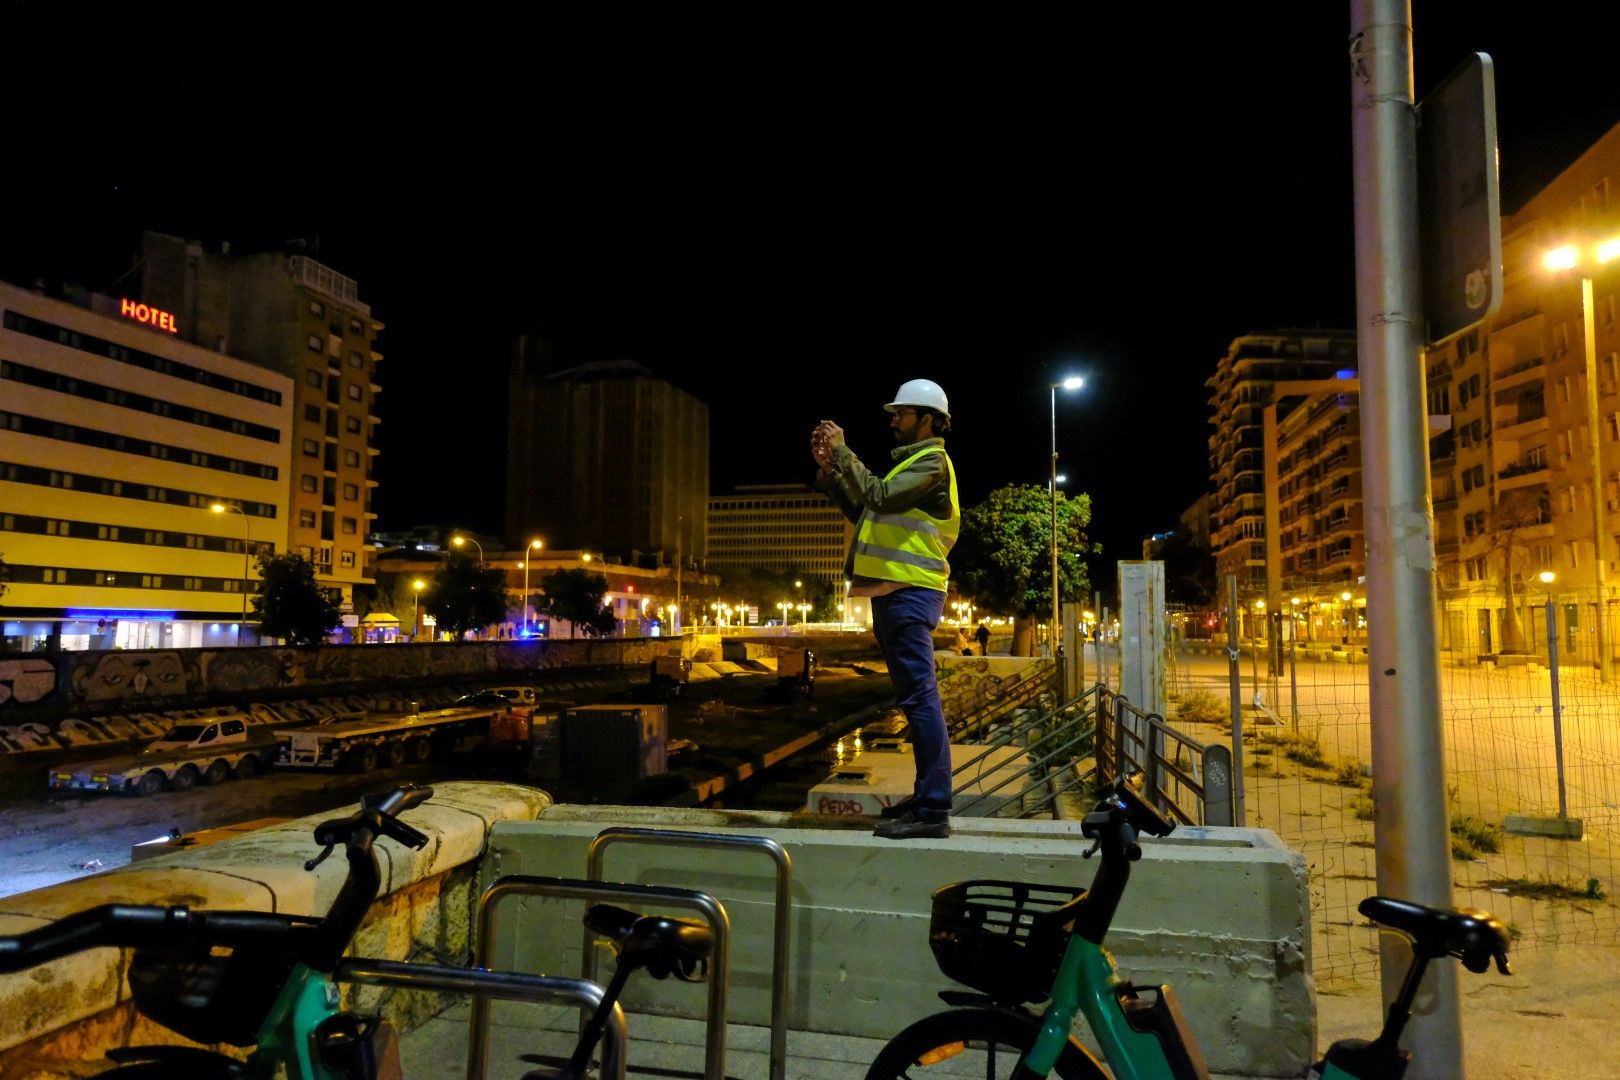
[[905, 525]]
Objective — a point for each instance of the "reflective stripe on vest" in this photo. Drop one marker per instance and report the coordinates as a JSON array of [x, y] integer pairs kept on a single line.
[[909, 547]]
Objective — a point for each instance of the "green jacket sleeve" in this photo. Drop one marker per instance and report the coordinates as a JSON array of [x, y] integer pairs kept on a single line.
[[924, 485]]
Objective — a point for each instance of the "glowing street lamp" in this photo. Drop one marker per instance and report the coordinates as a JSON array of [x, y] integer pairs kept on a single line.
[[1558, 260], [534, 545], [1073, 382], [221, 508], [461, 541], [416, 604]]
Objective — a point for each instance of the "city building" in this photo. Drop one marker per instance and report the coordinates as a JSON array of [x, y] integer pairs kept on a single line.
[[606, 457], [1316, 547], [1515, 488], [780, 528], [118, 437], [292, 315], [1246, 380]]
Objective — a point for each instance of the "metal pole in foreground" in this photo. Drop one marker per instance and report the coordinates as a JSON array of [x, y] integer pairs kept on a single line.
[[1557, 708], [1409, 790], [1063, 691], [1605, 660], [1235, 677]]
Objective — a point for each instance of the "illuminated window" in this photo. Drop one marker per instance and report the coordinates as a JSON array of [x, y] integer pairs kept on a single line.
[[351, 491], [309, 483], [346, 560], [354, 392], [356, 327], [356, 360], [306, 519], [352, 423], [350, 526], [317, 309], [314, 343], [312, 448], [313, 377], [351, 457]]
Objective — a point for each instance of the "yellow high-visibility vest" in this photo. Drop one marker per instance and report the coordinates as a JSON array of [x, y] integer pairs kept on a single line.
[[909, 547]]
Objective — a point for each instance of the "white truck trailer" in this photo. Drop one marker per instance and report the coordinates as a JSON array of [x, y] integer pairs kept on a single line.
[[362, 743], [205, 751]]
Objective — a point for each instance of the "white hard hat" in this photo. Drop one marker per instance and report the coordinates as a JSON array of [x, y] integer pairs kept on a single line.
[[922, 394]]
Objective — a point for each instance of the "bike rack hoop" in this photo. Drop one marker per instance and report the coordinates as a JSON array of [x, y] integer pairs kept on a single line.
[[575, 889], [483, 984], [783, 910]]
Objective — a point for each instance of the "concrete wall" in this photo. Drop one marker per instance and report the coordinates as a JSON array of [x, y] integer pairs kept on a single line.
[[57, 1016], [1221, 914]]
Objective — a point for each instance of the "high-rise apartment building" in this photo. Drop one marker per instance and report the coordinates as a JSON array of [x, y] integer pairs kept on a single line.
[[778, 527], [292, 315], [1246, 380], [117, 439], [1316, 547], [1515, 489], [606, 457]]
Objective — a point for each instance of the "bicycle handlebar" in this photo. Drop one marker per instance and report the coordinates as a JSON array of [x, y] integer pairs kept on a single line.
[[1113, 827], [140, 926], [319, 941]]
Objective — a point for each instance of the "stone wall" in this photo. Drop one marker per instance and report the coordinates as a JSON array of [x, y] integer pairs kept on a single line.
[[74, 698], [58, 1016]]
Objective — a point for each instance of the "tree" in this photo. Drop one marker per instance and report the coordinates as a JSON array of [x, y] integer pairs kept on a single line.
[[289, 604], [1521, 508], [464, 595], [1003, 558], [764, 589], [576, 597]]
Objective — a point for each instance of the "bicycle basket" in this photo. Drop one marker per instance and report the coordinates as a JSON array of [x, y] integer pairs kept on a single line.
[[206, 997], [1003, 938]]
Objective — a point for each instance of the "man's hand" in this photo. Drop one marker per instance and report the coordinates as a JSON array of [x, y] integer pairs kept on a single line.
[[826, 436]]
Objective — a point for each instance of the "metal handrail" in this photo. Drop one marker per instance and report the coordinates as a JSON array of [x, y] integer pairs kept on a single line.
[[783, 912], [482, 984], [1073, 715], [989, 711], [572, 889], [1210, 782]]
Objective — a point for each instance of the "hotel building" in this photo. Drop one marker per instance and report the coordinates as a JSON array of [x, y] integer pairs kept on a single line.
[[117, 439]]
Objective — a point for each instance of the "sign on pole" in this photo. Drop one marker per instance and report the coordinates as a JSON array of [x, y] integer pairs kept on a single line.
[[1459, 206]]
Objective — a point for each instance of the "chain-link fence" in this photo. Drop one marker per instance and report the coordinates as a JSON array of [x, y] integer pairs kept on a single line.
[[1543, 863]]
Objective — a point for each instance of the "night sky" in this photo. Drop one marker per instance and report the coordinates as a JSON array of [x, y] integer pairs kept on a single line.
[[785, 219]]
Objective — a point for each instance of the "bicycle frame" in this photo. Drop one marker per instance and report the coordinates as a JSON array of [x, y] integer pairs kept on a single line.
[[308, 999], [1086, 982]]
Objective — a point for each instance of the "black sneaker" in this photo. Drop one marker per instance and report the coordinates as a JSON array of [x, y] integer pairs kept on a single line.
[[899, 809], [908, 826]]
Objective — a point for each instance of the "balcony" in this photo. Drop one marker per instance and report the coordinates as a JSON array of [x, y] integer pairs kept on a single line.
[[1521, 474], [1533, 370]]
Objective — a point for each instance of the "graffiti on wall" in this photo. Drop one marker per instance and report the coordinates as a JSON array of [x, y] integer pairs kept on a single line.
[[26, 680], [968, 684]]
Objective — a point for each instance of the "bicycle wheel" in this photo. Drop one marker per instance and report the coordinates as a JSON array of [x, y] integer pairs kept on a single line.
[[981, 1044]]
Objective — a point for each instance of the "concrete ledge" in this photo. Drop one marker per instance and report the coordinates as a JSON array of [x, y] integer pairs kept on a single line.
[[71, 1011], [1221, 914]]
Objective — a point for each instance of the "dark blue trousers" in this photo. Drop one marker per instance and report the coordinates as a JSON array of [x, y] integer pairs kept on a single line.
[[903, 622]]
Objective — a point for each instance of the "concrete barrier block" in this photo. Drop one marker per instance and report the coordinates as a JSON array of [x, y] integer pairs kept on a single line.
[[1221, 914]]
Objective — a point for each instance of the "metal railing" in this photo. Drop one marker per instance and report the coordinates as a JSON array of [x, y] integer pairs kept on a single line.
[[783, 911], [569, 889], [1057, 743], [508, 985], [1184, 777], [974, 723]]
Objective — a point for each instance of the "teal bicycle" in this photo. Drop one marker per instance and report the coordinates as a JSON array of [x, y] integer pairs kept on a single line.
[[243, 978], [1018, 944]]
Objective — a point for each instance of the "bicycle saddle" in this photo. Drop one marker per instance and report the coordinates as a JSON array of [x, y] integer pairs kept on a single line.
[[1472, 936], [662, 945]]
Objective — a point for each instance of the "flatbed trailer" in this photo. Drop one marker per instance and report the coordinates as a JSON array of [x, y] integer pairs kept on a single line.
[[149, 773], [363, 743]]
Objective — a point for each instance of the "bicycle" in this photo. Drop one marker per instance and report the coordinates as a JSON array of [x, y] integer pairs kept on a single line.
[[272, 991], [1018, 944]]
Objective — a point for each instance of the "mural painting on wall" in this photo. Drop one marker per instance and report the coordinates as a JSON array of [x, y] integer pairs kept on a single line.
[[132, 677], [26, 680]]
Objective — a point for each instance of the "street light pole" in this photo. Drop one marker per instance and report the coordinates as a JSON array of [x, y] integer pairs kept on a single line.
[[1073, 382], [1567, 258], [416, 603], [460, 540], [220, 508], [534, 545]]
